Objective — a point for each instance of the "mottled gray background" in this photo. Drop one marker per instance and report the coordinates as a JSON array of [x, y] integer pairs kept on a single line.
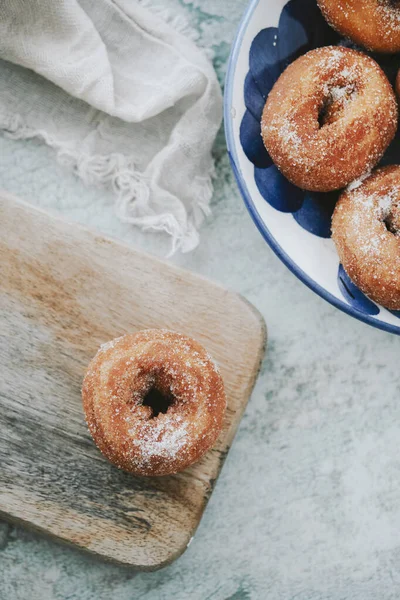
[[308, 504]]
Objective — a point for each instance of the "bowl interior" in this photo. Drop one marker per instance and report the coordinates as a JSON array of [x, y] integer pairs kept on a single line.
[[296, 224]]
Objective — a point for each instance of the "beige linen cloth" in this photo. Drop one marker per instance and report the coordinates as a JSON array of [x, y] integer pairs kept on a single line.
[[122, 97]]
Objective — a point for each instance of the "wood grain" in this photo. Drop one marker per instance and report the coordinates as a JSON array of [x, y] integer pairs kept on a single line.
[[64, 291]]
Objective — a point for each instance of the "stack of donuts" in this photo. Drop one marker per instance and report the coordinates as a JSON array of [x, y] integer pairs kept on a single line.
[[327, 123]]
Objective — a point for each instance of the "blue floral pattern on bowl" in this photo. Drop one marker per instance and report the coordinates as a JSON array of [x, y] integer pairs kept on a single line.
[[301, 28]]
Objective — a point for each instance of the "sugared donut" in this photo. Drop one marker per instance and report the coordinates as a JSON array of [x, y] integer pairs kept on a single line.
[[374, 24], [154, 401], [329, 118], [366, 231]]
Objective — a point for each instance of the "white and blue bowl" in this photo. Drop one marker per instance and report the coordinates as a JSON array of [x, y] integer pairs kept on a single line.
[[295, 223]]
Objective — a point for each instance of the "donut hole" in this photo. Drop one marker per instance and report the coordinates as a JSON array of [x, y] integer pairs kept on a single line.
[[388, 222], [335, 100], [158, 401], [390, 212], [390, 3], [392, 223]]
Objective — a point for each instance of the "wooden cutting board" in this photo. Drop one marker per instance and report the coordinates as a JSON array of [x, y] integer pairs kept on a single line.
[[64, 291]]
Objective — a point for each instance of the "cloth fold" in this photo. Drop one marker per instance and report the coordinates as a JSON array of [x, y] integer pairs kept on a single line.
[[123, 98]]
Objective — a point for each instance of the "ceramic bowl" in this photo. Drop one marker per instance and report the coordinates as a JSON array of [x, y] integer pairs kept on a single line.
[[295, 223]]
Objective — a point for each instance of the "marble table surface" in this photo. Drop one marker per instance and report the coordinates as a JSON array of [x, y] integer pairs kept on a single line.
[[308, 503]]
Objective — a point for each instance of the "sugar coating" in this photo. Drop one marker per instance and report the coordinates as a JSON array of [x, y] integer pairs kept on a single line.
[[329, 118], [366, 231], [126, 430], [164, 439], [374, 24]]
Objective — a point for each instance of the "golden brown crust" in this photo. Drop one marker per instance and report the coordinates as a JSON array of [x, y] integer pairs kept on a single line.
[[366, 232], [125, 430], [374, 24], [329, 118]]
